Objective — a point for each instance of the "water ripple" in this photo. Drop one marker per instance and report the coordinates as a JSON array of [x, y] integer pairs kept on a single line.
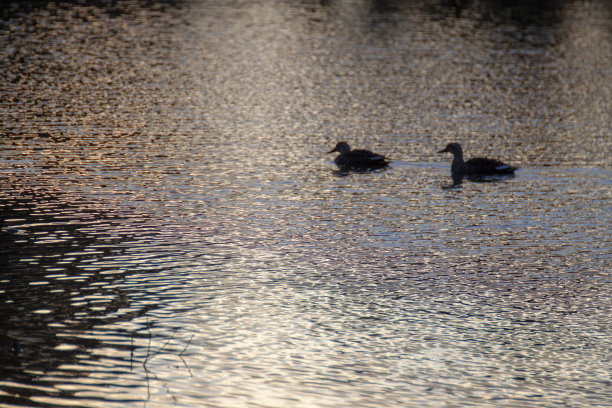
[[173, 233]]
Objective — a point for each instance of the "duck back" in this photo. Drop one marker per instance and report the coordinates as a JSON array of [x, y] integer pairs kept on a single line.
[[481, 165], [361, 158]]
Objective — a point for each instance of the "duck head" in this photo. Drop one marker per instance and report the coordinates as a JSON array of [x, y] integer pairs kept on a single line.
[[454, 148], [341, 147]]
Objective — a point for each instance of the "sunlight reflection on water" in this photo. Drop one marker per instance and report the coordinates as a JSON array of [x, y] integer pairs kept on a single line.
[[173, 232]]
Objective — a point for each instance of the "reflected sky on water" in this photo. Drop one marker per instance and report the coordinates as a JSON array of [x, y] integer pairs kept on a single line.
[[174, 234]]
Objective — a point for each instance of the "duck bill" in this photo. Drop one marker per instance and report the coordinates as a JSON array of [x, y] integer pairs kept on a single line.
[[332, 150], [443, 150]]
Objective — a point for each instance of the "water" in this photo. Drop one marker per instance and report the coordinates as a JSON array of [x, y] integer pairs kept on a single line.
[[173, 233]]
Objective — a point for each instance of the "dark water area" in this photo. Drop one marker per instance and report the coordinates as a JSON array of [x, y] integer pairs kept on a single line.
[[173, 232]]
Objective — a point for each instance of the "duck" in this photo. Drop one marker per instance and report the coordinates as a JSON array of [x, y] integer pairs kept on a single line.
[[358, 158], [477, 167]]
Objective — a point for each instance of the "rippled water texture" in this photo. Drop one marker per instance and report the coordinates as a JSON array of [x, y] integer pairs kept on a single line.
[[174, 234]]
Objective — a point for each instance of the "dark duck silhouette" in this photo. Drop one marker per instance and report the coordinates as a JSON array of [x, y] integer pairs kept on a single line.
[[359, 159], [477, 168]]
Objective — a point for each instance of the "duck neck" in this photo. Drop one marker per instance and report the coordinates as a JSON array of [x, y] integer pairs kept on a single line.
[[458, 166]]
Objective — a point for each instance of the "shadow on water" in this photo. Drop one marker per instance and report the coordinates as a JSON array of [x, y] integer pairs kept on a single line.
[[60, 281], [523, 13], [64, 295]]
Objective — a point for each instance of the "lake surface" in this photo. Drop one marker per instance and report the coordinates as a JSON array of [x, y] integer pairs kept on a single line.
[[174, 234]]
